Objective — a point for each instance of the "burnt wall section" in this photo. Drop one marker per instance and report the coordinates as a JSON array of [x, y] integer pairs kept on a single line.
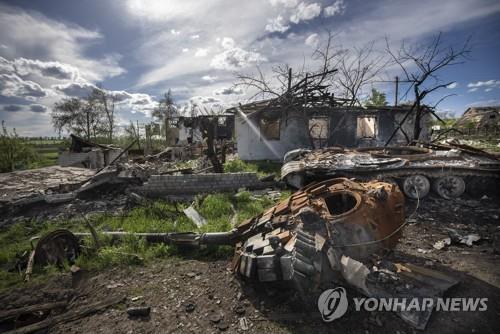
[[345, 128], [160, 185], [252, 145]]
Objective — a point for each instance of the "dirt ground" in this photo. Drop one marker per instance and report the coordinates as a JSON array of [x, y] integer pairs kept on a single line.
[[193, 296]]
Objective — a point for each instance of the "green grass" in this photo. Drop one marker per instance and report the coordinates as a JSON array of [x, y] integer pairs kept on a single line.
[[262, 168], [157, 216]]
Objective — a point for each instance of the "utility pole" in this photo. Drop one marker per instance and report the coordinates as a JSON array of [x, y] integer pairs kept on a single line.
[[289, 79], [397, 91]]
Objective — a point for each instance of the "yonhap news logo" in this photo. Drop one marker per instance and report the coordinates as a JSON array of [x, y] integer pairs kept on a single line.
[[333, 304]]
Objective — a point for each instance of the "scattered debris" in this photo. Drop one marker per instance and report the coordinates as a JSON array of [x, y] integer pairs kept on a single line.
[[468, 239], [190, 307], [442, 243], [194, 216], [142, 311]]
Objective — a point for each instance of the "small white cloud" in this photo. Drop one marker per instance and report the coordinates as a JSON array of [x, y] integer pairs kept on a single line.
[[227, 43], [488, 89], [489, 83], [472, 90], [236, 58], [452, 85], [185, 50], [305, 12], [338, 7], [229, 91], [175, 32], [312, 40], [204, 100], [209, 78], [284, 3], [201, 52], [277, 24], [195, 36]]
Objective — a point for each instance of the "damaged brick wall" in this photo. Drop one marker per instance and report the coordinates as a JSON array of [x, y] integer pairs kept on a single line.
[[159, 185]]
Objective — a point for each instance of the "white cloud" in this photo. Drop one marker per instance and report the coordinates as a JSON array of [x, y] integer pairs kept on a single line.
[[277, 24], [312, 40], [185, 50], [284, 3], [489, 83], [75, 89], [305, 12], [229, 91], [201, 52], [53, 69], [472, 90], [227, 43], [338, 7], [14, 86], [209, 78], [195, 36], [31, 34], [452, 85], [174, 32], [236, 58]]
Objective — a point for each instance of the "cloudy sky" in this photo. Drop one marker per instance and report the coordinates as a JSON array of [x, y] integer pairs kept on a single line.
[[50, 49]]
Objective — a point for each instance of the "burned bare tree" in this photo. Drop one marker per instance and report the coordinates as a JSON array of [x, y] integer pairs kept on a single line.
[[421, 65], [291, 88], [358, 67]]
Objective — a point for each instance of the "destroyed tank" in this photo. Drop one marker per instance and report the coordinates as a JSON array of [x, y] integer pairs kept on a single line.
[[447, 169], [302, 239], [333, 233]]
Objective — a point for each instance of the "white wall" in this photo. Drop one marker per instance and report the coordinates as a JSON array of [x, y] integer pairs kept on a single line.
[[294, 133]]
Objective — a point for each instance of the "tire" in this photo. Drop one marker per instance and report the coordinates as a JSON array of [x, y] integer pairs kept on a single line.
[[416, 186], [449, 186]]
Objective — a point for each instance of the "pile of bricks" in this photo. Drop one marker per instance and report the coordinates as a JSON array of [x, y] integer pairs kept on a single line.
[[159, 185]]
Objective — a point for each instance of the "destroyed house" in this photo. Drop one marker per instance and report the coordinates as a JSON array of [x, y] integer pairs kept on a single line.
[[266, 132], [87, 154]]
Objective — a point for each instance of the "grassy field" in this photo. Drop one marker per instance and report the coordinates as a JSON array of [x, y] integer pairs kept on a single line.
[[47, 151], [157, 216]]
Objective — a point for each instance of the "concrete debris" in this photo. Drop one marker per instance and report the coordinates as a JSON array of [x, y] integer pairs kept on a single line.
[[459, 238], [442, 243], [243, 323], [456, 238], [194, 216]]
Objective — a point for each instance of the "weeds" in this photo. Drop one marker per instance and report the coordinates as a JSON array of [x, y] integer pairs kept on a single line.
[[262, 168], [157, 216]]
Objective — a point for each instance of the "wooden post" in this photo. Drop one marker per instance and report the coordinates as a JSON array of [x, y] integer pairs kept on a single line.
[[397, 91], [289, 79]]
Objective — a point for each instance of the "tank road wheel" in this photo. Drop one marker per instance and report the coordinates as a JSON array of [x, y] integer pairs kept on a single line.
[[449, 186], [416, 186]]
